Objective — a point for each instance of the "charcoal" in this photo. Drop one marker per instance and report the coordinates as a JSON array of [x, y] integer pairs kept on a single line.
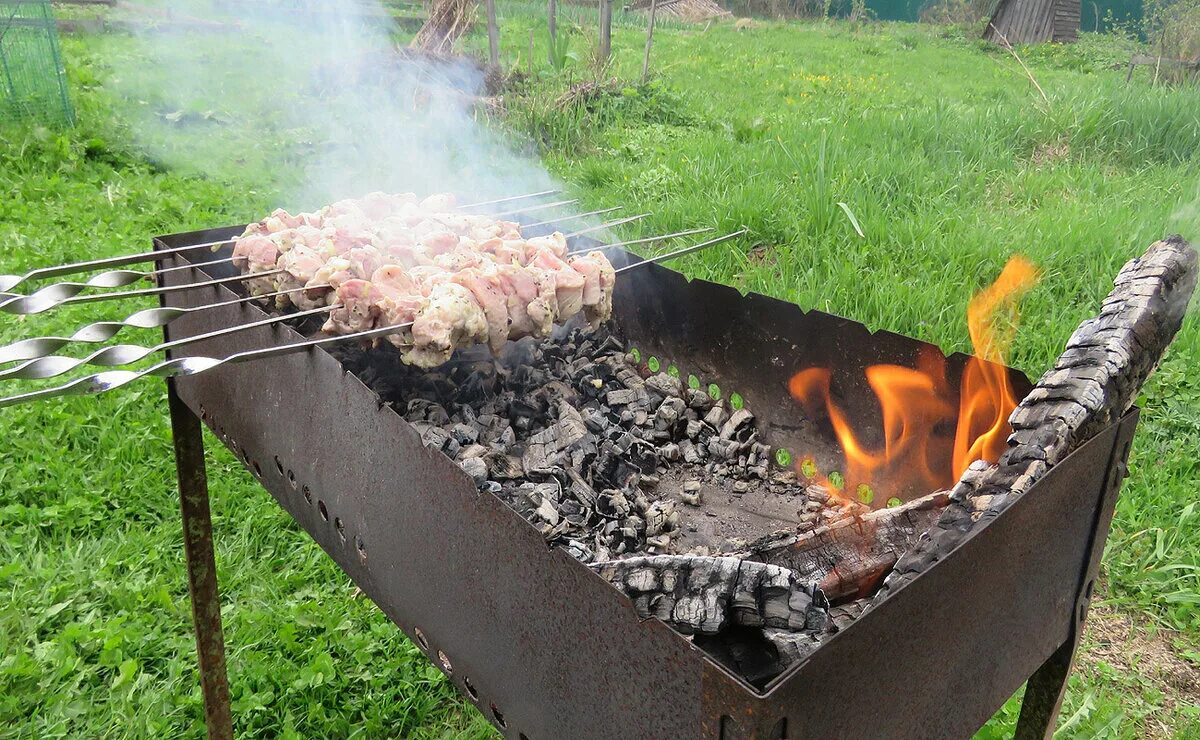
[[640, 417], [475, 450], [435, 437], [716, 416], [670, 452], [698, 399], [740, 486], [507, 437], [666, 385], [648, 482], [692, 497], [595, 421], [693, 429], [620, 397], [739, 420], [476, 468], [505, 467], [690, 452], [465, 434]]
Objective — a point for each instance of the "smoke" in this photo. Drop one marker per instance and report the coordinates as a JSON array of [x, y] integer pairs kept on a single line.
[[313, 101]]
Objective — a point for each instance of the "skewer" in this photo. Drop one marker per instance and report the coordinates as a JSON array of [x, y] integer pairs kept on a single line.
[[102, 331], [610, 224], [127, 354], [40, 301], [8, 282], [539, 207], [511, 198], [31, 349], [571, 218], [184, 366]]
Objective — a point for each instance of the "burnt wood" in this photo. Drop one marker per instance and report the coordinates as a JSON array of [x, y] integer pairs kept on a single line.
[[1094, 381]]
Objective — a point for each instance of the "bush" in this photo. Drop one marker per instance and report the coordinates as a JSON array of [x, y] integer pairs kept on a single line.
[[1172, 28]]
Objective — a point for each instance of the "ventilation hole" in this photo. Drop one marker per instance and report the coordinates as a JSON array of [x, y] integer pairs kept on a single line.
[[341, 528], [693, 382], [808, 467], [278, 465], [837, 480], [321, 508], [421, 638], [257, 470], [726, 730], [779, 731], [894, 501], [714, 391], [736, 401], [291, 479], [470, 687], [673, 371], [203, 413], [865, 493], [499, 717], [1089, 588], [522, 736], [362, 549], [653, 364], [308, 495], [445, 661]]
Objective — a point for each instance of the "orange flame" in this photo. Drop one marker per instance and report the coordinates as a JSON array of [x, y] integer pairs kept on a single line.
[[916, 402]]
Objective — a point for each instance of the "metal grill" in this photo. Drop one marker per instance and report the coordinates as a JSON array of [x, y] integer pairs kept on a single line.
[[33, 82]]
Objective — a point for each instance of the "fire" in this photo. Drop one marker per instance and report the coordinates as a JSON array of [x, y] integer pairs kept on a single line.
[[916, 403]]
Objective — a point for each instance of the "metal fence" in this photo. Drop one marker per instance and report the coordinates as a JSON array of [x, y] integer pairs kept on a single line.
[[33, 84]]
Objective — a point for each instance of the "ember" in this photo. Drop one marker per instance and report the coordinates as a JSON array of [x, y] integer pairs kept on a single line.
[[917, 404]]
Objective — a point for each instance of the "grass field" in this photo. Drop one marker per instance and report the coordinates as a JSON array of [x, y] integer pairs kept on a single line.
[[949, 161]]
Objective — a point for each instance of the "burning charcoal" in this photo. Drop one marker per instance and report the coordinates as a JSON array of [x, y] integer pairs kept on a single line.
[[476, 468], [670, 452], [716, 416], [621, 397], [505, 467], [435, 437], [691, 453], [507, 437], [579, 551], [739, 419], [660, 517], [547, 512], [595, 421], [698, 399], [464, 434], [492, 487], [470, 451], [613, 503], [693, 429], [666, 385], [649, 482], [452, 447], [668, 413]]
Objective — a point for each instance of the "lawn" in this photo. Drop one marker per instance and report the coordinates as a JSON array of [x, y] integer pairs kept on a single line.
[[945, 154]]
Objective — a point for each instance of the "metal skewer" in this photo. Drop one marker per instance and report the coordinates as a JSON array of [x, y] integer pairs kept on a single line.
[[571, 218], [102, 331], [511, 198], [37, 303], [184, 366], [127, 354], [610, 224], [8, 282], [531, 209]]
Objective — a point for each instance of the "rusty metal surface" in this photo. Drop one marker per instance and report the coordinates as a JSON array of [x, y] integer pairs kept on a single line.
[[201, 565], [544, 647]]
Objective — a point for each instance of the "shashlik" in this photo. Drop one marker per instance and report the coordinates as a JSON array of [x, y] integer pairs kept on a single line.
[[458, 278]]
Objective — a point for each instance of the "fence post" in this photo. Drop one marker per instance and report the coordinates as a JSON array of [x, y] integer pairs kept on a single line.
[[493, 34], [605, 29], [552, 24], [649, 41]]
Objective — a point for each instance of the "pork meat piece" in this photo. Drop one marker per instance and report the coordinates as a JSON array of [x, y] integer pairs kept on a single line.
[[532, 306], [401, 299], [568, 284], [438, 242], [302, 265], [486, 285], [356, 308], [451, 319], [555, 243], [440, 203], [599, 280]]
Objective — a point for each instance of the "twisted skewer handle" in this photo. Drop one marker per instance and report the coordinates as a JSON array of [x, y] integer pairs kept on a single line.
[[102, 331], [25, 305], [127, 354]]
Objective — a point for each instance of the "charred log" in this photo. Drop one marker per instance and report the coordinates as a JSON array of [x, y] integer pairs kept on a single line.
[[704, 595], [1095, 380], [849, 558]]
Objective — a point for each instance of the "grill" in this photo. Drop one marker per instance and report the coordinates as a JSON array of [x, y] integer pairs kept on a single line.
[[993, 595]]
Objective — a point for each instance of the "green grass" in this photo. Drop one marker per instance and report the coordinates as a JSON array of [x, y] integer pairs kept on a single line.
[[942, 151]]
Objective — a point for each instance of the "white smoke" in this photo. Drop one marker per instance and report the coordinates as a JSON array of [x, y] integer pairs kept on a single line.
[[315, 101]]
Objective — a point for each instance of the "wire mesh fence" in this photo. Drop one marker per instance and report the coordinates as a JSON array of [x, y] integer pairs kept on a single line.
[[33, 83]]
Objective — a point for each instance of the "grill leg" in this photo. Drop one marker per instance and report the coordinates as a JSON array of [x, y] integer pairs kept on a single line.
[[1044, 694], [201, 565]]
